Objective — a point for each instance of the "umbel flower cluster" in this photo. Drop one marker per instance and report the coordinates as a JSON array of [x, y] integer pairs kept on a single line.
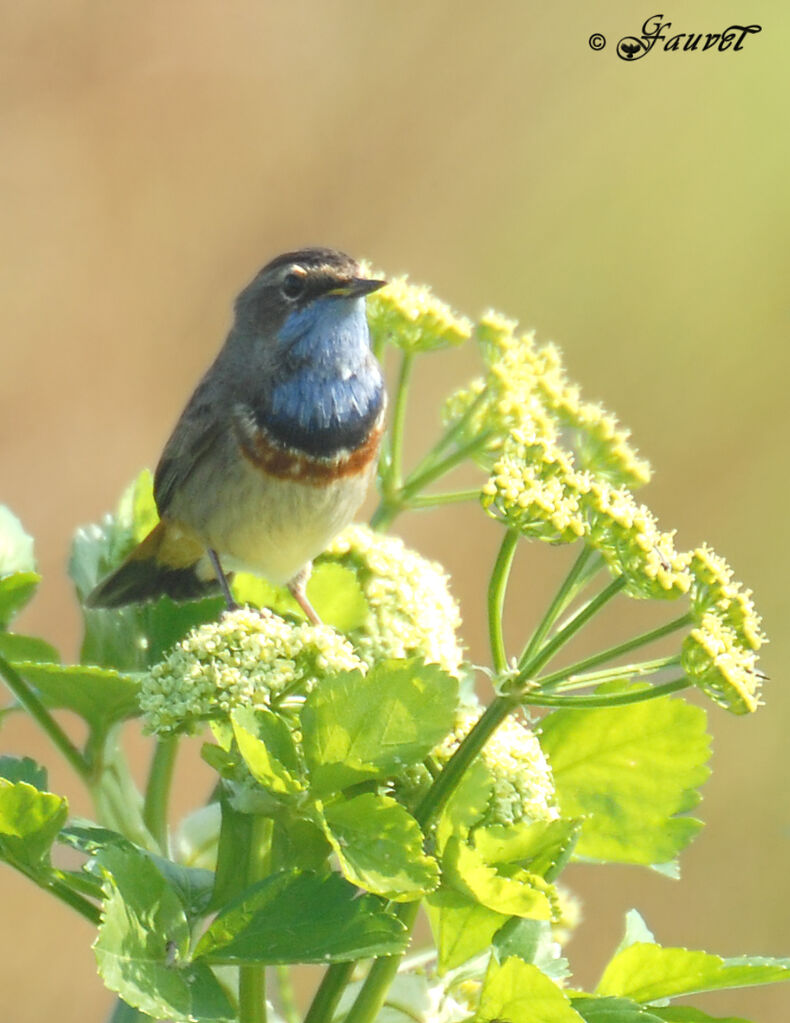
[[562, 469]]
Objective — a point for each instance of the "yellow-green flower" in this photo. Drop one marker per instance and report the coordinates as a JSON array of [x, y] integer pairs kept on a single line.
[[247, 658], [633, 546], [526, 386], [411, 317], [411, 608], [523, 786], [714, 588], [535, 489], [715, 660]]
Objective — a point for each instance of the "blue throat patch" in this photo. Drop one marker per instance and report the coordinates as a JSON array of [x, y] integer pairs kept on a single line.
[[331, 391]]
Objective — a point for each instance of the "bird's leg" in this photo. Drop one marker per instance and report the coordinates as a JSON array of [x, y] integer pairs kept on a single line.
[[298, 590], [222, 579]]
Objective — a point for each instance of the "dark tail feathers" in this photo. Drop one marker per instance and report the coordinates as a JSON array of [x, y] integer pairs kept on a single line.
[[161, 565]]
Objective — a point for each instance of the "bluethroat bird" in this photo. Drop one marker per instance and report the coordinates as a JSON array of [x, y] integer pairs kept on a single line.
[[274, 451]]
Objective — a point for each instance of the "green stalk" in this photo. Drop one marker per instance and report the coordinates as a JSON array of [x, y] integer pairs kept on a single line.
[[616, 651], [561, 600], [449, 436], [397, 430], [36, 709], [497, 588], [450, 497], [606, 700], [252, 978], [446, 782], [118, 803], [571, 627], [51, 882], [418, 480], [382, 973], [325, 1001], [287, 997], [597, 678], [157, 791], [71, 898]]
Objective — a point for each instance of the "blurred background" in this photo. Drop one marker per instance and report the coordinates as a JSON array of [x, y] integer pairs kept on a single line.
[[153, 155]]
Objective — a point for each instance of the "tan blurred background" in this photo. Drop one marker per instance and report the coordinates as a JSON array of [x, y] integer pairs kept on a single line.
[[154, 154]]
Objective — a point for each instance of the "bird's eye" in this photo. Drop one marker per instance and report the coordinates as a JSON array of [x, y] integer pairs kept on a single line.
[[293, 284]]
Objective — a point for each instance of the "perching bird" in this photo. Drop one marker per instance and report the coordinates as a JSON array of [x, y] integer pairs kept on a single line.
[[274, 451]]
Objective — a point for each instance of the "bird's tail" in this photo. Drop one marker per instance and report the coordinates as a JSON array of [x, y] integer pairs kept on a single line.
[[169, 561]]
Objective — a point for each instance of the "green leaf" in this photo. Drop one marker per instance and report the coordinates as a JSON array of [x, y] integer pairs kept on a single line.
[[143, 945], [517, 893], [192, 885], [685, 1014], [296, 917], [336, 594], [300, 843], [462, 927], [635, 930], [519, 993], [467, 804], [613, 1010], [358, 726], [648, 972], [16, 546], [532, 941], [379, 846], [137, 508], [629, 771], [265, 742], [16, 769], [101, 696], [332, 589], [29, 823], [16, 590], [18, 576], [15, 647], [542, 847]]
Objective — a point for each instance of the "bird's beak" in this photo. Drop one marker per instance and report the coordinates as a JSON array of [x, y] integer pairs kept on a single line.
[[354, 287]]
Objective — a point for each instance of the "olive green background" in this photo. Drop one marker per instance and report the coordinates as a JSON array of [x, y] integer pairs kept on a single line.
[[154, 154]]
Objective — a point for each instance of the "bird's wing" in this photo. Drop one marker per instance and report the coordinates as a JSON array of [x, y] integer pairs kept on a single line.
[[200, 429]]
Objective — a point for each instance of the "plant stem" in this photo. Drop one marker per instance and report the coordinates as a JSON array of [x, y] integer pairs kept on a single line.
[[397, 429], [382, 973], [597, 678], [157, 792], [616, 651], [446, 782], [393, 504], [252, 978], [417, 480], [557, 606], [606, 700], [450, 435], [333, 984], [36, 709], [71, 898], [583, 615], [118, 803], [450, 497], [497, 588], [285, 991]]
